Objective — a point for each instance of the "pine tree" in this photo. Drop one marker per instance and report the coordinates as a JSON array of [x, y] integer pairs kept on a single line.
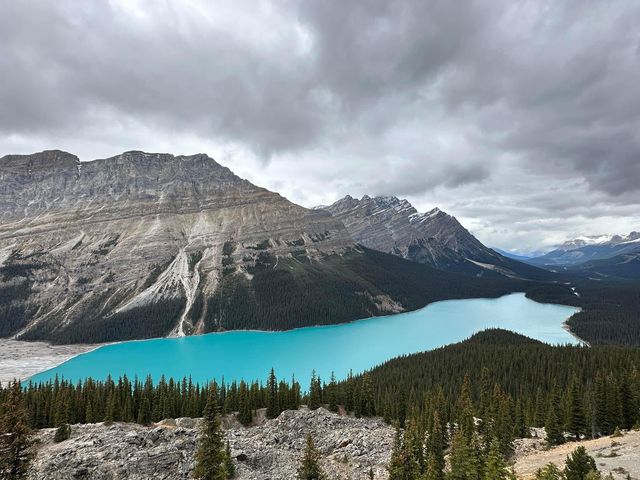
[[367, 407], [315, 392], [229, 466], [435, 447], [245, 412], [627, 403], [520, 429], [127, 414], [465, 461], [504, 423], [108, 419], [310, 465], [539, 414], [272, 396], [601, 421], [549, 472], [464, 409], [579, 464], [414, 449], [576, 422], [552, 428], [332, 394], [495, 466], [144, 414], [16, 437], [399, 467], [396, 462], [210, 455]]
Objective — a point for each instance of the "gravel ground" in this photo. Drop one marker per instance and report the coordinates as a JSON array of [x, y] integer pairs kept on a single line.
[[23, 359], [619, 456]]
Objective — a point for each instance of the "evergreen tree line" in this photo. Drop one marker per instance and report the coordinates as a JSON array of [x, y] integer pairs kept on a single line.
[[60, 402], [213, 456], [610, 309], [150, 321]]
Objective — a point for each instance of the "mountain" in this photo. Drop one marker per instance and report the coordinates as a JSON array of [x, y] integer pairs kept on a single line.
[[588, 248], [514, 256], [147, 245], [623, 266], [391, 225]]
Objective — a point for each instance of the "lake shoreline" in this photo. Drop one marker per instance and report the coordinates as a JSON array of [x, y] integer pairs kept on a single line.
[[24, 360], [21, 360], [295, 352]]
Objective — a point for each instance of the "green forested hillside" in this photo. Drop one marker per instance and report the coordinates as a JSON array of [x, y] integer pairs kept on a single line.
[[296, 292], [533, 374], [610, 312]]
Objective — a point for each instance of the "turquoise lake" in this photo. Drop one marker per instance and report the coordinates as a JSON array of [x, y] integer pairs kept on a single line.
[[358, 345]]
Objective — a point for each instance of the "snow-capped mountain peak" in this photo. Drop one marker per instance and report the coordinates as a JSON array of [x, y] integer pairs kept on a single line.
[[589, 247]]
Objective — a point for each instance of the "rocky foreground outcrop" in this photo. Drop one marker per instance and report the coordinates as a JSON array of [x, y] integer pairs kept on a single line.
[[272, 450]]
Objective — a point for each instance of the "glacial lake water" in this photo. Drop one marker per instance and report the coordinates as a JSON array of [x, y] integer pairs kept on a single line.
[[358, 345]]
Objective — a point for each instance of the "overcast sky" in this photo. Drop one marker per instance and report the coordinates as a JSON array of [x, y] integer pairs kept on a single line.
[[522, 118]]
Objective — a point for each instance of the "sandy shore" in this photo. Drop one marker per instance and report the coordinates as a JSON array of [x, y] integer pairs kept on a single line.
[[22, 359]]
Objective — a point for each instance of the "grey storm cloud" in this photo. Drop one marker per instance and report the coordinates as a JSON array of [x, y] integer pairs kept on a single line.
[[456, 103]]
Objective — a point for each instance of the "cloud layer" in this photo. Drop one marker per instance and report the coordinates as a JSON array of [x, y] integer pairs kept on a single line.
[[521, 118]]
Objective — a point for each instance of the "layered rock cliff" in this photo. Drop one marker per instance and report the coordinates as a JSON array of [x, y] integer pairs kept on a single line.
[[100, 238]]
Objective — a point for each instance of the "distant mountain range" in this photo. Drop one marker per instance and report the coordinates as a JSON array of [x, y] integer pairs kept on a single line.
[[515, 256], [434, 238], [584, 249], [147, 245]]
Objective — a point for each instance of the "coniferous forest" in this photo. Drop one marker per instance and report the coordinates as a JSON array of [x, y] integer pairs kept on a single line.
[[610, 310]]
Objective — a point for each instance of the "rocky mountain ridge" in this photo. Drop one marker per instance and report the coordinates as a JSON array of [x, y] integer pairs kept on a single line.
[[392, 225], [614, 239]]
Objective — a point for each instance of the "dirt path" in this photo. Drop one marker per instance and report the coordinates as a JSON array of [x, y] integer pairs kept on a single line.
[[619, 456]]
